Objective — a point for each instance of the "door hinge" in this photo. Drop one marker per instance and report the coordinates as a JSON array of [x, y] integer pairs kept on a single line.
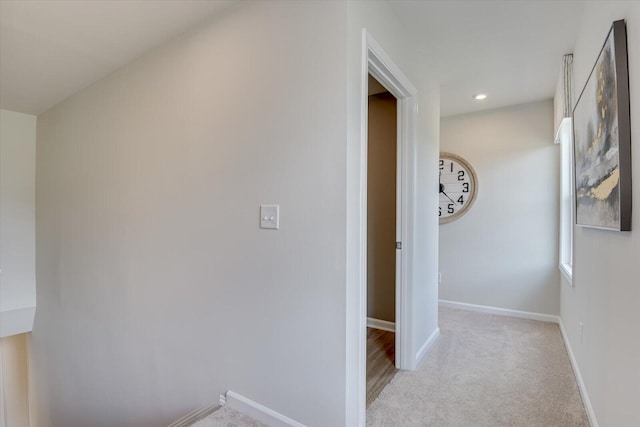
[[398, 245]]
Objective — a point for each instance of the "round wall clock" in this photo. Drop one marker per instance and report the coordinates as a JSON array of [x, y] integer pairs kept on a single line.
[[458, 187]]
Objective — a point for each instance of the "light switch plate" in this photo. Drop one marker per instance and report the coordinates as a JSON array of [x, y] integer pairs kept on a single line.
[[270, 217]]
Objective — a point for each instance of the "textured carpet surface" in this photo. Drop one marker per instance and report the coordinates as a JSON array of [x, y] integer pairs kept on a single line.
[[485, 370], [227, 417]]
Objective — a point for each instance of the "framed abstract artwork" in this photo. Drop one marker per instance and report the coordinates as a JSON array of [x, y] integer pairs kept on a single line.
[[602, 139]]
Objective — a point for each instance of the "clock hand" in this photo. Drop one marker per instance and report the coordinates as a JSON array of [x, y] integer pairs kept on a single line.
[[447, 196]]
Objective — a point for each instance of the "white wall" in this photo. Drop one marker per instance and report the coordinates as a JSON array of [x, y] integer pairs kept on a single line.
[[504, 251], [17, 222], [606, 267], [379, 20], [157, 290]]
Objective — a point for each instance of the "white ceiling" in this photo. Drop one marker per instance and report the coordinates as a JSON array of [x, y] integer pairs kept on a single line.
[[50, 49], [510, 49]]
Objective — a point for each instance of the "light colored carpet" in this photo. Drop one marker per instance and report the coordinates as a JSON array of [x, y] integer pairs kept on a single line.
[[485, 370], [227, 417]]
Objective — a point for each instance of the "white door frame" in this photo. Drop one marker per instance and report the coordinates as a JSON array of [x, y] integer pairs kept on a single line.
[[377, 63]]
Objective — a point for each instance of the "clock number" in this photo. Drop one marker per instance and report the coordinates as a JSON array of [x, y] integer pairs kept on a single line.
[[458, 187]]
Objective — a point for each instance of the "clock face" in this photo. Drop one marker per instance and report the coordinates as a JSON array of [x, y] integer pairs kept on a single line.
[[458, 187]]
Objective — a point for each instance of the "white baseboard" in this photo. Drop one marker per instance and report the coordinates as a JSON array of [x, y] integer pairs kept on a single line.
[[257, 411], [576, 371], [383, 325], [501, 311], [194, 416], [426, 346]]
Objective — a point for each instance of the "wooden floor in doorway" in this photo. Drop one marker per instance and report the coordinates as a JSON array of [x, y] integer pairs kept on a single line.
[[381, 361]]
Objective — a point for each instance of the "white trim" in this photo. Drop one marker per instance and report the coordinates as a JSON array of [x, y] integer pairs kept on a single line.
[[380, 65], [375, 61], [383, 325], [567, 273], [501, 311], [407, 118], [567, 206], [19, 321], [426, 346], [257, 411], [388, 74], [591, 414], [194, 416]]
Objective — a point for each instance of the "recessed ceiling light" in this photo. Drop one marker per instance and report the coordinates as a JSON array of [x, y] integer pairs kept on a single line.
[[480, 96]]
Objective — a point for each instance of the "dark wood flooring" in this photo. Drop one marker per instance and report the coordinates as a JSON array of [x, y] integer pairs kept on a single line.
[[381, 361]]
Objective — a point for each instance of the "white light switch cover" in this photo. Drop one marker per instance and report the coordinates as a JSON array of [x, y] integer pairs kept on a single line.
[[270, 216]]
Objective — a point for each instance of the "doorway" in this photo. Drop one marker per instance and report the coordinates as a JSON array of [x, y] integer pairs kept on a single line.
[[381, 237], [376, 62]]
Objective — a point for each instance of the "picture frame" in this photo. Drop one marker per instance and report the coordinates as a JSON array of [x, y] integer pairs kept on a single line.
[[602, 139]]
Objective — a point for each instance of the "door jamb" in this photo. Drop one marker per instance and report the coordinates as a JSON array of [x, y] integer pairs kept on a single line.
[[377, 63]]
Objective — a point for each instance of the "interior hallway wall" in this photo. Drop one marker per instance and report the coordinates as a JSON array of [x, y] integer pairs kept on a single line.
[[381, 209], [606, 268], [504, 251], [157, 290], [17, 222]]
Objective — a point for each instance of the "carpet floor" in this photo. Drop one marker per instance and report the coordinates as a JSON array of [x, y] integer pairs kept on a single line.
[[227, 417], [485, 370]]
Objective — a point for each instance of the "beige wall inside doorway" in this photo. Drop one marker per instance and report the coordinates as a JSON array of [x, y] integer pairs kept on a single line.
[[381, 207]]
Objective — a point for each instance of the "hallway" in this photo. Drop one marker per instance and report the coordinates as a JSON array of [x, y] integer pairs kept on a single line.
[[485, 370]]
